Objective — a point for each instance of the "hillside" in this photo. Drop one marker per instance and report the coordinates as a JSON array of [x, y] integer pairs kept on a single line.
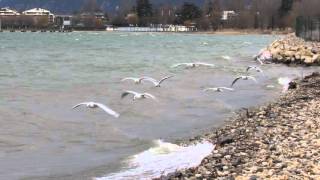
[[69, 6]]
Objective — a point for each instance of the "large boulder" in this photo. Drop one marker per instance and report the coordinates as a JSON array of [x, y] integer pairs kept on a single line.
[[316, 58], [308, 60], [289, 53], [307, 53], [293, 50]]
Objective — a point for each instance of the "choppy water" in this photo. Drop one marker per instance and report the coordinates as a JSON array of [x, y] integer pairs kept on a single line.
[[42, 75]]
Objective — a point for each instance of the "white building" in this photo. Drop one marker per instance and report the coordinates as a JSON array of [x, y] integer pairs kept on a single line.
[[226, 15], [8, 12], [39, 12]]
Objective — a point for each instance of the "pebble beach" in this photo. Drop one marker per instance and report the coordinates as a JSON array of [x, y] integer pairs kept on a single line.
[[280, 140]]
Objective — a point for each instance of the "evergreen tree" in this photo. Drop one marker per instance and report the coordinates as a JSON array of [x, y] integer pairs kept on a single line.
[[285, 8], [216, 15], [144, 12], [189, 12], [144, 8], [208, 8]]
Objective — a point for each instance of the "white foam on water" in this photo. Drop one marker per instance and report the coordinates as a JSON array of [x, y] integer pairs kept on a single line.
[[247, 43], [162, 159], [284, 81], [226, 57]]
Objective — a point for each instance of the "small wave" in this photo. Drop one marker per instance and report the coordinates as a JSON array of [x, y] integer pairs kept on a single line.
[[270, 86], [93, 33], [162, 159], [226, 57], [247, 43]]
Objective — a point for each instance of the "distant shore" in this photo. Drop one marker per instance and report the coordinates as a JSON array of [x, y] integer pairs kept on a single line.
[[245, 32], [280, 140], [218, 32]]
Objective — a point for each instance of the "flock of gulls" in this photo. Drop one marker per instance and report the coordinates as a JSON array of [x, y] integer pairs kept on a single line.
[[157, 83]]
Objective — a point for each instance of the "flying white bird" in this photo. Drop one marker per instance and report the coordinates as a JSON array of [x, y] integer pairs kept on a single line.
[[98, 105], [243, 78], [260, 61], [193, 65], [138, 95], [156, 82], [218, 89], [263, 56], [135, 80], [254, 68]]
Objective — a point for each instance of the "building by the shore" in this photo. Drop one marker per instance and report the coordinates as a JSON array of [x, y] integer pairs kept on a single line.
[[6, 11], [39, 12], [227, 15], [63, 22]]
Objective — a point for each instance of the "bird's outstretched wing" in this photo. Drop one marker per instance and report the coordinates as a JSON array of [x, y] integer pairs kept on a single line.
[[235, 80], [80, 104], [249, 67], [180, 64], [252, 78], [226, 88], [255, 68], [129, 78], [204, 64], [150, 96], [210, 89], [155, 82], [165, 78], [126, 93], [260, 61], [259, 70], [108, 110]]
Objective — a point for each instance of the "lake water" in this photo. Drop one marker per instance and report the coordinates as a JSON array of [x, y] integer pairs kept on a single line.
[[42, 75]]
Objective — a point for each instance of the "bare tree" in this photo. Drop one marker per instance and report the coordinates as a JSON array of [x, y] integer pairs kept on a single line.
[[165, 14], [90, 6], [132, 19]]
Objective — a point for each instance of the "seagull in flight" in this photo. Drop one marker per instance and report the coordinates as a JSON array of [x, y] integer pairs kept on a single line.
[[138, 95], [156, 82], [135, 80], [260, 60], [263, 56], [254, 68], [218, 89], [244, 78], [193, 65], [98, 105]]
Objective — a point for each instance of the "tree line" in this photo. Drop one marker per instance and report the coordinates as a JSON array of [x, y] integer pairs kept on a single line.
[[255, 14]]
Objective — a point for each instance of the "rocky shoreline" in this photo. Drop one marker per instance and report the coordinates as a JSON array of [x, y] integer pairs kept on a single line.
[[294, 50], [277, 141]]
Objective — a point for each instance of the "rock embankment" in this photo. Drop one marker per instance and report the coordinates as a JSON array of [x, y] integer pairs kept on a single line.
[[277, 141], [292, 49]]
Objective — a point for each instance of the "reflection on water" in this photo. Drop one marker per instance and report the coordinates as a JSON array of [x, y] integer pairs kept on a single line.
[[42, 75]]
